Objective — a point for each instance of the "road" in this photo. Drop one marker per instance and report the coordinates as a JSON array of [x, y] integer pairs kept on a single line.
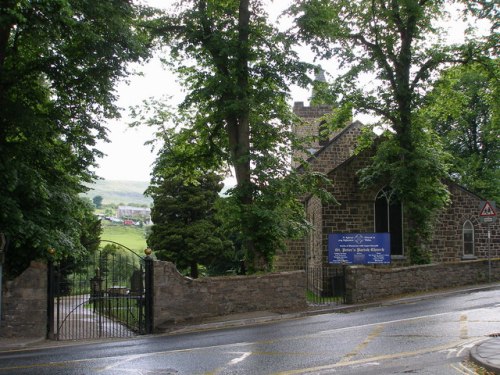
[[429, 336]]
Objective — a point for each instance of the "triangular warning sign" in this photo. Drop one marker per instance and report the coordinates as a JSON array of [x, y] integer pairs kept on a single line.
[[487, 210]]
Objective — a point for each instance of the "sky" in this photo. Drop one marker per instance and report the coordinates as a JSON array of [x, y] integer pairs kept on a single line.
[[126, 156]]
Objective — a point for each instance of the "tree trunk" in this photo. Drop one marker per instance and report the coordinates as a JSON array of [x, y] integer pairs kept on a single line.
[[237, 118], [241, 136]]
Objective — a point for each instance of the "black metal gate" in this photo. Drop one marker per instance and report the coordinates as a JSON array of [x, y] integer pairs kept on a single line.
[[108, 296], [326, 285]]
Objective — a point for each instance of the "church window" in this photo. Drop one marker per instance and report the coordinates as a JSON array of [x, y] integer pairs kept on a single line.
[[389, 218], [468, 238]]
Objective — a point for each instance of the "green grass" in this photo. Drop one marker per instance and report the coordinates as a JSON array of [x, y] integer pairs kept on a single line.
[[313, 298], [125, 310], [129, 236]]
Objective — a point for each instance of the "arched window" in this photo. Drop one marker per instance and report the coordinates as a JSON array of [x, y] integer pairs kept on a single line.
[[468, 238], [389, 218]]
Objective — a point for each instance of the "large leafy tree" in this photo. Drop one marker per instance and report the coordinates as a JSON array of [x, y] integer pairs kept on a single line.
[[59, 61], [185, 229], [464, 108], [237, 70], [396, 44]]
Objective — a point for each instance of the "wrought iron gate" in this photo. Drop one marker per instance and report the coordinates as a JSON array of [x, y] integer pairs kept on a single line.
[[326, 285], [108, 296]]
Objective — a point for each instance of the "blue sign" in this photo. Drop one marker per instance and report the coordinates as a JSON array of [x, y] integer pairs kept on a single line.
[[359, 248]]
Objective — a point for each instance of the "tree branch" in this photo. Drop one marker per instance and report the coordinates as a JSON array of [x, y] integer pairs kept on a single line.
[[379, 111], [431, 64], [379, 56]]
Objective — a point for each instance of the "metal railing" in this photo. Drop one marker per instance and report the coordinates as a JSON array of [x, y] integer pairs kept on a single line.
[[326, 285]]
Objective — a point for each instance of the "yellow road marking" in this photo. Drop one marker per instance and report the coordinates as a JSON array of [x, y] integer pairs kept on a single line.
[[370, 359], [464, 330], [374, 334]]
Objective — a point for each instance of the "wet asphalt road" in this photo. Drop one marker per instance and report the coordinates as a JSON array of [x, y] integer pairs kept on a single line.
[[431, 336]]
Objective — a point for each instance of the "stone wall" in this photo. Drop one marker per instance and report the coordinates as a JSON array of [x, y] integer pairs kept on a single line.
[[340, 149], [308, 129], [447, 244], [24, 304], [294, 257], [364, 284], [178, 298]]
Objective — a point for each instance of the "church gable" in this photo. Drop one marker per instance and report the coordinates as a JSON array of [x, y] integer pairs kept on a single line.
[[339, 149]]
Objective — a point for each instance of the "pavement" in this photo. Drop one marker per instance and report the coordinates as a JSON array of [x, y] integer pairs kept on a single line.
[[485, 354]]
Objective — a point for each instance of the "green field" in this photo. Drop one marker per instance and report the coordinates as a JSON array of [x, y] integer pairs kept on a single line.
[[129, 236]]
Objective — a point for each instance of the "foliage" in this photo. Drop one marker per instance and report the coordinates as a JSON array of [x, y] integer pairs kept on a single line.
[[185, 229], [237, 70], [59, 61], [89, 229], [97, 201], [397, 45], [464, 108], [487, 10]]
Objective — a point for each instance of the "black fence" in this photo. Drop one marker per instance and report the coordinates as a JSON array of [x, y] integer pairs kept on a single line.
[[108, 296], [326, 285]]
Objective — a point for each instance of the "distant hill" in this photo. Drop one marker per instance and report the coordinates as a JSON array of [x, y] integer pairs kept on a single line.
[[120, 192]]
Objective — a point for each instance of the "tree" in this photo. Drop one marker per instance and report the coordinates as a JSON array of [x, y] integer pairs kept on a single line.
[[237, 70], [59, 61], [391, 41], [88, 228], [97, 201], [185, 229], [464, 108]]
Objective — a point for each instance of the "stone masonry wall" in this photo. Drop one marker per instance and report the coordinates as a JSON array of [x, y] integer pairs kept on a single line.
[[447, 244], [340, 149], [309, 127], [314, 245], [294, 257], [24, 304], [364, 284], [178, 298], [291, 259]]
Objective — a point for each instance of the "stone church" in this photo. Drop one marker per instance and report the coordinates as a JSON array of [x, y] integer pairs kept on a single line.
[[459, 234]]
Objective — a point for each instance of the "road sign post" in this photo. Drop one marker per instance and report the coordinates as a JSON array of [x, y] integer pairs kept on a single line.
[[487, 216]]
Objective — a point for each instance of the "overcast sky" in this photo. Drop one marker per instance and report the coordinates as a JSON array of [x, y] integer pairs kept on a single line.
[[126, 156]]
